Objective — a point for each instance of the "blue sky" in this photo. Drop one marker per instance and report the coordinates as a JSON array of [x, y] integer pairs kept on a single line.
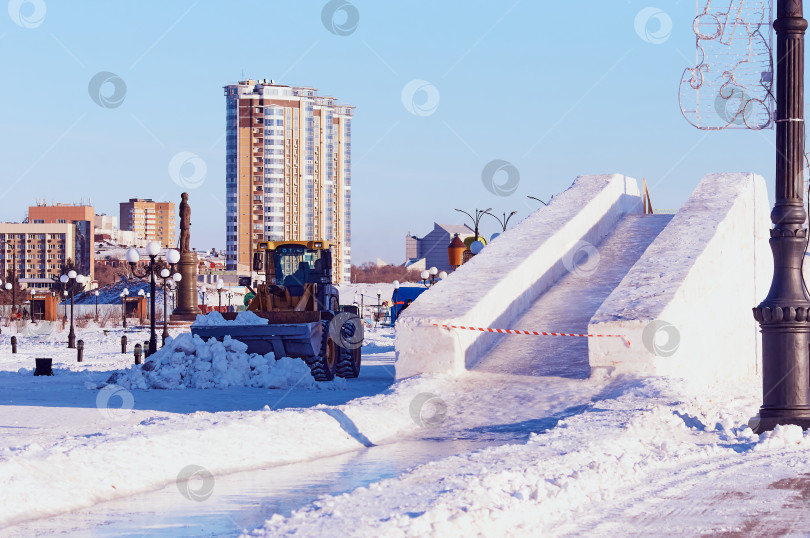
[[556, 91]]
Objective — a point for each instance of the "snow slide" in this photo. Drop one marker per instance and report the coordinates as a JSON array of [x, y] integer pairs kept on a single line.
[[497, 286]]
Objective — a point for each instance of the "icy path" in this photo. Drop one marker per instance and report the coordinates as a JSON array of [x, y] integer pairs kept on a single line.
[[569, 305]]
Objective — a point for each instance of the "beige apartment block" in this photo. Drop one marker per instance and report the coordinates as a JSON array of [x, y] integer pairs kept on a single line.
[[288, 170], [37, 252], [150, 220]]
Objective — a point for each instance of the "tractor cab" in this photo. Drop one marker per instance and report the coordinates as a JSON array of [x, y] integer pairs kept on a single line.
[[298, 274]]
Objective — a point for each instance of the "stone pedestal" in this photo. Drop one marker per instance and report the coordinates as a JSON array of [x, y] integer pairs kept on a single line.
[[187, 308]]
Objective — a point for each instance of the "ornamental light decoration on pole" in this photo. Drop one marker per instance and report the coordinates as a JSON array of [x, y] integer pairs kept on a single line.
[[741, 33], [152, 250]]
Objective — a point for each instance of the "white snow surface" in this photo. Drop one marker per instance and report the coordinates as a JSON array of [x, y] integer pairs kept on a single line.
[[215, 319], [604, 471]]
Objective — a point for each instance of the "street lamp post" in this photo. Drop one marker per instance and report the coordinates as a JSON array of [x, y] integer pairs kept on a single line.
[[152, 250], [167, 277], [220, 285], [13, 282], [65, 279], [505, 222], [429, 276], [95, 292], [379, 307], [476, 219], [124, 295], [784, 315], [64, 302]]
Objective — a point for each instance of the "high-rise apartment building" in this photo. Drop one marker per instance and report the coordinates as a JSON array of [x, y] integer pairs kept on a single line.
[[150, 220], [288, 171]]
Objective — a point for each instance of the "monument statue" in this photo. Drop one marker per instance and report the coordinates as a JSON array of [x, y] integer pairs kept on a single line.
[[187, 306], [185, 223]]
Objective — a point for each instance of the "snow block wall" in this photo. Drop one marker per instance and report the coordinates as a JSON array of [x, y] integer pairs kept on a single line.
[[499, 284], [686, 304]]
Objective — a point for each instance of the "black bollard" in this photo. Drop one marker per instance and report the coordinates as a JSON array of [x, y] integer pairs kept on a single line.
[[80, 351], [137, 353], [124, 345], [146, 349], [14, 344]]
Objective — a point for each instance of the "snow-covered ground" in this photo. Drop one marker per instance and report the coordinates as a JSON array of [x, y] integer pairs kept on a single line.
[[602, 455]]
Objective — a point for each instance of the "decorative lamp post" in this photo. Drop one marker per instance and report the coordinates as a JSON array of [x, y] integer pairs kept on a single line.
[[476, 219], [177, 278], [8, 286], [64, 302], [204, 304], [362, 301], [124, 295], [152, 250], [429, 276], [13, 282], [65, 279], [379, 307], [784, 315], [95, 292], [168, 277], [229, 294], [505, 221], [141, 295], [220, 285]]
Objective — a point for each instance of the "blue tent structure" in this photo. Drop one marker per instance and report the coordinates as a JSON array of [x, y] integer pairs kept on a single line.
[[403, 294]]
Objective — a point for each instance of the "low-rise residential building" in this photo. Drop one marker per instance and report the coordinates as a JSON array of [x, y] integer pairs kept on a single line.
[[36, 253]]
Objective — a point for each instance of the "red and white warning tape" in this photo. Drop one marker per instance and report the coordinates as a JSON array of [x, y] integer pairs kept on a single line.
[[531, 333]]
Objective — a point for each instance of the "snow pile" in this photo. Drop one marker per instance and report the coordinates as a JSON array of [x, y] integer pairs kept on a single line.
[[215, 319], [190, 362], [783, 437]]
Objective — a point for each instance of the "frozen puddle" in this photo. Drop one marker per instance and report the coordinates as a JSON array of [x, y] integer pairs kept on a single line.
[[243, 501]]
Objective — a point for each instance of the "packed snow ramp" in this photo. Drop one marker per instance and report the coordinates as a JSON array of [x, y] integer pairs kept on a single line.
[[500, 284]]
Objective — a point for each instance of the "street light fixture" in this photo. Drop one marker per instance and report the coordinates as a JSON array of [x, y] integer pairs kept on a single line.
[[13, 282], [95, 292], [538, 199], [167, 277], [152, 250], [220, 285], [65, 279], [124, 295], [505, 221], [429, 276], [476, 219]]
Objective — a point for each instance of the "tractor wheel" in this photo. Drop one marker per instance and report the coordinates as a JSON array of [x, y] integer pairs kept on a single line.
[[323, 365], [348, 364]]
